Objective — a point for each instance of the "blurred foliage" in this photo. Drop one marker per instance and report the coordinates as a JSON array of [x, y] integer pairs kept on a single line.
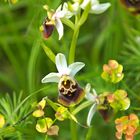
[[114, 34]]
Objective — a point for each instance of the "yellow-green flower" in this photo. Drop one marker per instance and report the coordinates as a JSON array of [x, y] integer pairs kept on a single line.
[[40, 106], [43, 125], [119, 100], [61, 113], [12, 1], [46, 126], [2, 121], [112, 72]]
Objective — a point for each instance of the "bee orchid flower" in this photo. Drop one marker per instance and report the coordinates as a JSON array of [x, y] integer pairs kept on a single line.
[[54, 20], [70, 93], [96, 7]]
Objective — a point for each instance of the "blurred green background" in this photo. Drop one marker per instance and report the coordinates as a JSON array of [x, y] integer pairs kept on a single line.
[[114, 34]]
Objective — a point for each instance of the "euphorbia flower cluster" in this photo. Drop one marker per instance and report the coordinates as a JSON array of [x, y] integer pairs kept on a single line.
[[119, 100], [127, 125], [112, 72]]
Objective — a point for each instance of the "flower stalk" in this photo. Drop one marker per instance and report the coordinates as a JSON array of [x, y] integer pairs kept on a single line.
[[73, 44]]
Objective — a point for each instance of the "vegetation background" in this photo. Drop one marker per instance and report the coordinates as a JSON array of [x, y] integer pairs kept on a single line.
[[114, 34]]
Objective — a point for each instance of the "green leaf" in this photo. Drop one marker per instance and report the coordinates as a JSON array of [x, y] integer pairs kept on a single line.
[[51, 103], [81, 106], [49, 53]]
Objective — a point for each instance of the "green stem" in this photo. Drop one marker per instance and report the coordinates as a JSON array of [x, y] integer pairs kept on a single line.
[[135, 108], [89, 133], [68, 23], [46, 137], [73, 127], [73, 44], [79, 21]]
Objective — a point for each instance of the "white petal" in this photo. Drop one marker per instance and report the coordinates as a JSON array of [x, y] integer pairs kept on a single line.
[[90, 97], [59, 8], [59, 14], [87, 88], [75, 67], [68, 14], [75, 8], [94, 92], [61, 63], [94, 2], [99, 8], [63, 12], [51, 77], [59, 27], [91, 113], [85, 3]]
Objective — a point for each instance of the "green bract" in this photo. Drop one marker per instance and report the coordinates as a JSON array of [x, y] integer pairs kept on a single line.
[[112, 72]]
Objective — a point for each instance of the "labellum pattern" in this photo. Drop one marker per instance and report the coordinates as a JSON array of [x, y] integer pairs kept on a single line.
[[48, 28], [70, 93], [132, 5]]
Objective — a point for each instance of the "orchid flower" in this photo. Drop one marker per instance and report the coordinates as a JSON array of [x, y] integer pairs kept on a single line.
[[54, 19], [70, 93], [96, 7], [91, 97]]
